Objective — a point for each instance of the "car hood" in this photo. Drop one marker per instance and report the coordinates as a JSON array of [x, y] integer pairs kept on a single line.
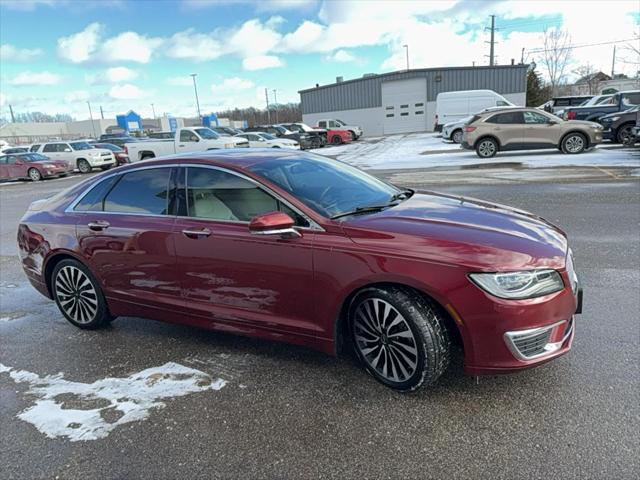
[[462, 231], [583, 122]]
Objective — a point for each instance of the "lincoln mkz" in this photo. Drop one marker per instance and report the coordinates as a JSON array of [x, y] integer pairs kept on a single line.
[[295, 247]]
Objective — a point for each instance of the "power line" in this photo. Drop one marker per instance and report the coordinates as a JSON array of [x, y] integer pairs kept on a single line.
[[541, 50]]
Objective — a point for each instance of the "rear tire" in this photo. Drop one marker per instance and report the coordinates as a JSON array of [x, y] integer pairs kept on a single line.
[[399, 337], [336, 140], [84, 166], [574, 143], [486, 148], [34, 174], [79, 296]]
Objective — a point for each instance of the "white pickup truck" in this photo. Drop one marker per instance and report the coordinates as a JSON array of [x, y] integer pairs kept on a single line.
[[191, 139], [334, 124]]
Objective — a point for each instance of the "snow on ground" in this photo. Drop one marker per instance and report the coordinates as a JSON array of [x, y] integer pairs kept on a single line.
[[423, 150]]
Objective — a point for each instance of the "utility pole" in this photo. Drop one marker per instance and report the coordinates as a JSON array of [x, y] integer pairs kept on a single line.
[[275, 104], [613, 62], [406, 47], [266, 96], [13, 119], [93, 127], [101, 113], [154, 111], [195, 89], [522, 57], [492, 42]]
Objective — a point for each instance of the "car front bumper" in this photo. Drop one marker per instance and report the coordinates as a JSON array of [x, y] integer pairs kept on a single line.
[[102, 161], [503, 336]]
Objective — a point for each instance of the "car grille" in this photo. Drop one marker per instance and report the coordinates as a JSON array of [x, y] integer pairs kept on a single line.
[[106, 154], [531, 345]]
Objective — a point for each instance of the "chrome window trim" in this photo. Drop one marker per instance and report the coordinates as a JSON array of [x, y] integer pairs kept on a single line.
[[313, 225]]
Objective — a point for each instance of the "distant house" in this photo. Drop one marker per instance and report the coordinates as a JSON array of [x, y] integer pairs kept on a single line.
[[589, 84]]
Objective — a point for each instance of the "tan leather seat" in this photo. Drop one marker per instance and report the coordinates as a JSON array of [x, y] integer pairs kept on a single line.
[[207, 205]]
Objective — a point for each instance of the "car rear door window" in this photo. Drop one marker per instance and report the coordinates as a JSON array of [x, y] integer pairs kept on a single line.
[[631, 98], [140, 192], [506, 118], [50, 147], [534, 117], [217, 195]]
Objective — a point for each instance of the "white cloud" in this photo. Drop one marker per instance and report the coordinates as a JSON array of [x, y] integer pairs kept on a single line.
[[10, 53], [252, 38], [35, 78], [79, 47], [189, 45], [342, 56], [303, 38], [130, 46], [261, 62], [230, 85], [77, 96], [120, 74], [127, 92], [182, 81]]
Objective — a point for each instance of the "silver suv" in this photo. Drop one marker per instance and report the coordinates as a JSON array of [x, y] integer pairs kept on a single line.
[[527, 129]]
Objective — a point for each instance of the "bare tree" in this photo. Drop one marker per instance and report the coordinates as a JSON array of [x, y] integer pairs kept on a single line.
[[556, 56], [588, 79]]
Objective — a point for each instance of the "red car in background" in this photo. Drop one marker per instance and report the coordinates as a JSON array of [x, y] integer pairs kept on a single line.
[[122, 157], [33, 166], [336, 136], [296, 247]]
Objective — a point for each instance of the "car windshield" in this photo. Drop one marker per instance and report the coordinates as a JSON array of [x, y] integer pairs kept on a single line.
[[80, 146], [34, 157], [340, 123], [266, 136], [304, 127], [329, 187], [207, 133]]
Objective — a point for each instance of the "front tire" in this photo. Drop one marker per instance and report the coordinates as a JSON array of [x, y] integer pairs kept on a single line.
[[624, 134], [79, 296], [574, 143], [84, 166], [34, 174], [457, 136], [487, 148], [399, 337]]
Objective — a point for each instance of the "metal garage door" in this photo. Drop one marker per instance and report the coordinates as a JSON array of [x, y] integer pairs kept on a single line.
[[404, 104]]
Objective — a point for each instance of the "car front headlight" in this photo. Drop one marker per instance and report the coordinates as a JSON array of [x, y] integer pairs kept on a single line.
[[48, 165], [612, 119], [519, 285]]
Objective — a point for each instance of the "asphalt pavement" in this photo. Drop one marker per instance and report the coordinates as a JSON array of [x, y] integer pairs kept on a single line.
[[280, 411]]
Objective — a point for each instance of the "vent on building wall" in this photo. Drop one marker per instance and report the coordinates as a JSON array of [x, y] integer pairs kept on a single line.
[[367, 75], [339, 79]]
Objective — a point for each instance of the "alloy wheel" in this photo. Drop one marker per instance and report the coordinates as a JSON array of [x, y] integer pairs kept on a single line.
[[624, 135], [487, 148], [385, 340], [76, 294], [34, 175], [457, 136], [574, 144], [84, 166]]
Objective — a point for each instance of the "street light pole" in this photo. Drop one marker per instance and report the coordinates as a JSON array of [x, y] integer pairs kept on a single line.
[[154, 111], [195, 89], [93, 127], [275, 104], [406, 47]]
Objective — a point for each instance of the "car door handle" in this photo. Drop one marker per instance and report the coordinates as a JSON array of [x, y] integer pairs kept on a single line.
[[204, 232], [98, 225], [181, 145]]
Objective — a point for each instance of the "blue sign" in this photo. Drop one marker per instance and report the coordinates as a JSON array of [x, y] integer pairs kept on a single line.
[[210, 120], [173, 124], [129, 122]]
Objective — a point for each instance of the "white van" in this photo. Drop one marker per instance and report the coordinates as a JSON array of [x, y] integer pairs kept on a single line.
[[453, 106]]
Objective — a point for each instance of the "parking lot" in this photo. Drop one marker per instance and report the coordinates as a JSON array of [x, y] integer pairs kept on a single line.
[[210, 405]]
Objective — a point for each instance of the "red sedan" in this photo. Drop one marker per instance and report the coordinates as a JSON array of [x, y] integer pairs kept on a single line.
[[33, 166], [297, 247], [122, 157]]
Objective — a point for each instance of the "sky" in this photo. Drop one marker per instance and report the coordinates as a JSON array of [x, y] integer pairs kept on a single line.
[[57, 55]]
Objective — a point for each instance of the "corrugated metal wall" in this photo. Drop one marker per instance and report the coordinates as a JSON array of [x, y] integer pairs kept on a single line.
[[366, 92]]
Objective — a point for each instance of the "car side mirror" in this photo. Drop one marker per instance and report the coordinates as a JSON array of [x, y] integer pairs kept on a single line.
[[68, 150], [274, 223], [194, 139]]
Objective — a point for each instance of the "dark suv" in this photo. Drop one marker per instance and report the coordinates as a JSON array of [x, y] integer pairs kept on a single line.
[[618, 126], [619, 102], [303, 139]]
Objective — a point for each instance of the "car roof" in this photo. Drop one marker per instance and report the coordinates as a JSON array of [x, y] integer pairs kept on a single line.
[[237, 158], [510, 109]]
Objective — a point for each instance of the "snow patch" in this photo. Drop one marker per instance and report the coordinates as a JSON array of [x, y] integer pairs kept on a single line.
[[90, 411]]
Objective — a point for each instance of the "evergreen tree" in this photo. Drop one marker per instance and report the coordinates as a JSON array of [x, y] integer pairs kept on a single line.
[[537, 93]]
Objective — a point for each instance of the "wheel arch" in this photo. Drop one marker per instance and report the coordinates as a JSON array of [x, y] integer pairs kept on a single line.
[[342, 337], [484, 137], [575, 130], [55, 258]]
